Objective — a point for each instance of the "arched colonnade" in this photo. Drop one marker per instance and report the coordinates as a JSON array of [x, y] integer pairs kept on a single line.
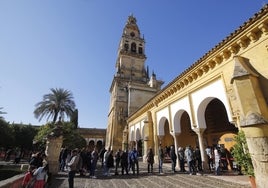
[[201, 118]]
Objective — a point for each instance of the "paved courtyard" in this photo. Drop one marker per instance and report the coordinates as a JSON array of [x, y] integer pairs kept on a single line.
[[155, 180]]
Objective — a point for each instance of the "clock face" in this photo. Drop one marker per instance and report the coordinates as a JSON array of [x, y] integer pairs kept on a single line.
[[132, 34]]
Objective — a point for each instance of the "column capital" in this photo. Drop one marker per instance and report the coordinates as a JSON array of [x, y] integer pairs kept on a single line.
[[199, 130]]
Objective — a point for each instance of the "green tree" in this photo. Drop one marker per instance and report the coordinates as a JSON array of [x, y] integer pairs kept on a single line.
[[24, 135], [71, 137], [56, 104], [241, 154], [6, 134]]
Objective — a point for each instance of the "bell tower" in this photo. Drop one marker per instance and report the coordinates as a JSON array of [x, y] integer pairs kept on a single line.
[[131, 86]]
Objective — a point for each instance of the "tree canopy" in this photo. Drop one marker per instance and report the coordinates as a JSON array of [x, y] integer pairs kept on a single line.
[[58, 103], [71, 138]]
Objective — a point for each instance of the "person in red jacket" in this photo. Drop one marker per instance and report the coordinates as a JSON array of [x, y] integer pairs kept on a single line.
[[27, 177]]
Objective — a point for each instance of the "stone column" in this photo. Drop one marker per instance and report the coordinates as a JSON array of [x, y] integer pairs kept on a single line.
[[53, 148], [125, 139], [176, 147], [199, 132]]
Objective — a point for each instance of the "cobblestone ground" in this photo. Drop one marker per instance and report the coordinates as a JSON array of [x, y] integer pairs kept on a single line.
[[155, 180]]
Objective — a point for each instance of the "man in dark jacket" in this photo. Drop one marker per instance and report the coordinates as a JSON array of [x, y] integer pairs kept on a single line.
[[173, 158]]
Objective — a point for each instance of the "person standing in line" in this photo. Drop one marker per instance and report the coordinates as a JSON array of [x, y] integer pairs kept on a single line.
[[88, 161], [181, 158], [134, 161], [209, 157], [124, 162], [150, 160], [103, 150], [105, 160], [110, 162], [94, 160], [217, 158], [129, 160], [73, 167], [198, 158], [189, 155], [161, 157], [173, 157], [117, 161]]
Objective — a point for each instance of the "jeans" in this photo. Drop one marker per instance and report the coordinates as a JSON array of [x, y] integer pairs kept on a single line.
[[160, 167], [133, 164]]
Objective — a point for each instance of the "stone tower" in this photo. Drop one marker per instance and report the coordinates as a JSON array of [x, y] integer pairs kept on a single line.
[[132, 86]]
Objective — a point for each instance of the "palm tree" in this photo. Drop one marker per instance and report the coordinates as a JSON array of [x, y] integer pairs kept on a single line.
[[56, 104], [1, 112]]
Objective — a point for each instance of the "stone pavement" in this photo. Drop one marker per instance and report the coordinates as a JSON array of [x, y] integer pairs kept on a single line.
[[155, 180]]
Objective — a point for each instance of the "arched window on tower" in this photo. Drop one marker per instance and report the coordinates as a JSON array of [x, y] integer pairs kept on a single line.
[[126, 47], [140, 50], [133, 47]]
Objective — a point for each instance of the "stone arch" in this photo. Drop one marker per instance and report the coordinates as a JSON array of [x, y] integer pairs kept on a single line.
[[165, 134], [183, 130], [139, 143], [201, 112], [138, 134], [203, 96], [161, 131], [177, 123], [132, 136], [219, 130], [142, 132]]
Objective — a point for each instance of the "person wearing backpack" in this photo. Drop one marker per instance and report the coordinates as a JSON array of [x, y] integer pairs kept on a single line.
[[73, 168]]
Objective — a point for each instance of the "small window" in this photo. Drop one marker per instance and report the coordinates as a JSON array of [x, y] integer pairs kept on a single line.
[[133, 47], [126, 47], [140, 50]]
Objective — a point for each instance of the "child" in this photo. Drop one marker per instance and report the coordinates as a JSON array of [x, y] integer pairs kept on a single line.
[[41, 175], [28, 176]]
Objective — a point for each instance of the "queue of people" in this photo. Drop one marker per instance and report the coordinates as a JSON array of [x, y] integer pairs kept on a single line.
[[85, 161]]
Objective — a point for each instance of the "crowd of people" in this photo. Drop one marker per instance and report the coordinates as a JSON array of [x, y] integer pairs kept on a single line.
[[218, 158], [84, 162], [38, 174]]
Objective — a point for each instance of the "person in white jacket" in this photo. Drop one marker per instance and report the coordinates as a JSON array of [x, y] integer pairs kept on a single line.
[[73, 168]]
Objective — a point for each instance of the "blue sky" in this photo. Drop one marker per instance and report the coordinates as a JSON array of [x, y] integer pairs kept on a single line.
[[72, 44]]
